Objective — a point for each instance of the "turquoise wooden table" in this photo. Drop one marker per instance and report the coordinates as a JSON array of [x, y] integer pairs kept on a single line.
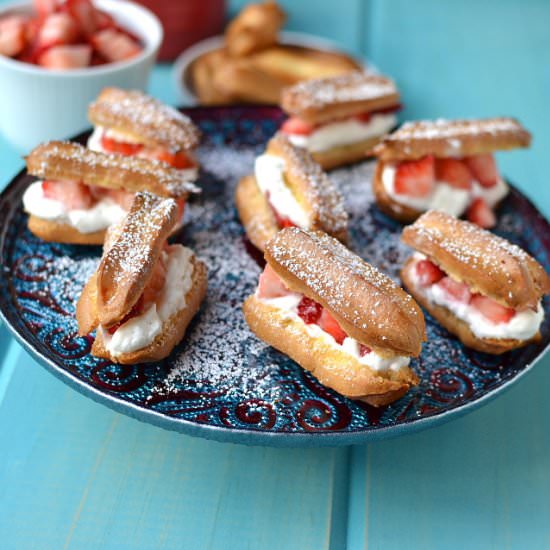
[[74, 474]]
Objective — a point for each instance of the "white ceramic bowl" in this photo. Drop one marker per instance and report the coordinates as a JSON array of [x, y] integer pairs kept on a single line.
[[181, 73], [38, 104]]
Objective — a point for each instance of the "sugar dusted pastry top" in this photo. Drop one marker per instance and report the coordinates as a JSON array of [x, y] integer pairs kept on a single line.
[[487, 263], [353, 92], [452, 138], [72, 161], [306, 177], [369, 306], [137, 114]]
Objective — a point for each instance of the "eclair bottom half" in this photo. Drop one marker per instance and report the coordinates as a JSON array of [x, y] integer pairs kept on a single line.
[[457, 326], [332, 367], [173, 329]]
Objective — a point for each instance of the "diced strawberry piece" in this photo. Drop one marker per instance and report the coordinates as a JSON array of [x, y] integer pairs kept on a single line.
[[480, 213], [329, 324], [45, 7], [103, 20], [123, 198], [73, 194], [454, 172], [114, 45], [13, 36], [155, 285], [491, 309], [177, 160], [364, 350], [84, 14], [270, 285], [120, 147], [428, 273], [282, 221], [456, 290], [297, 126], [309, 310], [66, 57], [484, 169], [415, 178], [57, 29], [364, 117]]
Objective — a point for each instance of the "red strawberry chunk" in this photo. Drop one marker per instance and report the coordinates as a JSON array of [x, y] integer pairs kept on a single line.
[[415, 178], [480, 213], [123, 198], [457, 291], [484, 169], [329, 324], [309, 310], [66, 57], [114, 45], [297, 126], [491, 309], [45, 7], [363, 350], [453, 172], [428, 273], [270, 285], [177, 160], [364, 117], [134, 312], [103, 20], [73, 194], [120, 147], [84, 14], [58, 29], [12, 35]]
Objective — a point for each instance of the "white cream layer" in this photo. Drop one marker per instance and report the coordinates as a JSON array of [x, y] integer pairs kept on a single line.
[[269, 172], [522, 326], [101, 215], [94, 144], [444, 197], [139, 332], [288, 305], [344, 132]]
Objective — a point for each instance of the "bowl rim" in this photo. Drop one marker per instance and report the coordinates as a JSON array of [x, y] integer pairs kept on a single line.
[[186, 58], [150, 49]]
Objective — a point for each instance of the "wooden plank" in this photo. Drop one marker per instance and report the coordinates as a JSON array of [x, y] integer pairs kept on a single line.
[[76, 475]]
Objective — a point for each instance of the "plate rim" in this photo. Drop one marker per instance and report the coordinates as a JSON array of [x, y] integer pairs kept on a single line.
[[249, 436]]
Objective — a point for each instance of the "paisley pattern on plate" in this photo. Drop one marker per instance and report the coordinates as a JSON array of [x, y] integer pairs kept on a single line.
[[221, 382]]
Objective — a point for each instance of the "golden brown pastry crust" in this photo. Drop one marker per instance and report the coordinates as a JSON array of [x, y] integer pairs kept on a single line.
[[255, 213], [452, 138], [313, 190], [488, 264], [367, 304], [172, 331], [333, 368], [394, 209], [255, 28], [335, 97], [139, 115], [127, 265], [345, 154], [56, 232], [457, 326], [202, 72], [71, 161]]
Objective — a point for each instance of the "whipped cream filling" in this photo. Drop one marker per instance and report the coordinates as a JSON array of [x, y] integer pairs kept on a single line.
[[444, 197], [269, 172], [94, 144], [522, 326], [139, 332], [344, 132], [101, 215], [288, 306]]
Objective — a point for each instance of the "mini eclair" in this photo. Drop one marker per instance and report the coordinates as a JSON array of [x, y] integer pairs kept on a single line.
[[480, 287], [131, 123], [339, 119], [445, 165], [288, 188], [82, 192], [337, 316], [145, 292]]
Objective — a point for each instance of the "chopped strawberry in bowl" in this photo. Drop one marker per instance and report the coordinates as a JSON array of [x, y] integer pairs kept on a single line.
[[54, 61]]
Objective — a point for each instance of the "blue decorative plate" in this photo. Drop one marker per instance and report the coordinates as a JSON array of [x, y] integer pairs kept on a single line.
[[221, 382]]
